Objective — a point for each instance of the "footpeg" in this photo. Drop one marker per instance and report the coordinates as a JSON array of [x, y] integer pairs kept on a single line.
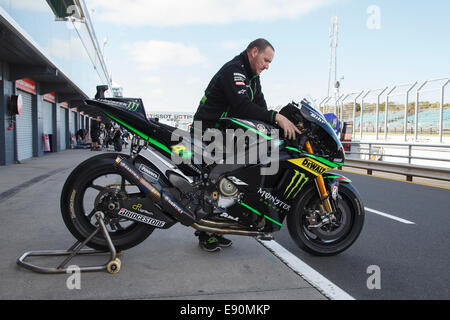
[[265, 237]]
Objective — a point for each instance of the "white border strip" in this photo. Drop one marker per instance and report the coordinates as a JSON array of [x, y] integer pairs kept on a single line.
[[325, 286], [389, 216]]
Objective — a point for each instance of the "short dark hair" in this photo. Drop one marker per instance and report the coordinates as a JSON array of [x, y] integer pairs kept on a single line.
[[260, 43]]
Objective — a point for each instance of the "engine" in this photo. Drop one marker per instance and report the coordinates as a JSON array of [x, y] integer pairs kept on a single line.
[[227, 193]]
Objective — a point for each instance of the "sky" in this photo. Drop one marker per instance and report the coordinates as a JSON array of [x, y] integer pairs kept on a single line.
[[166, 52]]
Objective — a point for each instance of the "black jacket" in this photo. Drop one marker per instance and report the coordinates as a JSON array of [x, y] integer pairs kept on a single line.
[[234, 91]]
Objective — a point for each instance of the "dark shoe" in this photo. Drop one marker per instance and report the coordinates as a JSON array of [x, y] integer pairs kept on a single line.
[[223, 242], [208, 242]]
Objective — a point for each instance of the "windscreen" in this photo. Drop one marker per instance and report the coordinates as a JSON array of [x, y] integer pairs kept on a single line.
[[330, 142], [312, 103]]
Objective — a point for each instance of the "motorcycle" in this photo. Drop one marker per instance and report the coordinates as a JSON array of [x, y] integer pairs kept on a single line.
[[147, 189]]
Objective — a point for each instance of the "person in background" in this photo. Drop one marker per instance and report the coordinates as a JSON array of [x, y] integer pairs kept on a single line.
[[81, 136], [95, 135]]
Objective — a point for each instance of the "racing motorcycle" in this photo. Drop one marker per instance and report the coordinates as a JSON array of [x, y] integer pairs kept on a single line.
[[146, 189]]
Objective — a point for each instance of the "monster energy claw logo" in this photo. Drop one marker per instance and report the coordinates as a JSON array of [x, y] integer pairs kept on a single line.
[[132, 106], [295, 183]]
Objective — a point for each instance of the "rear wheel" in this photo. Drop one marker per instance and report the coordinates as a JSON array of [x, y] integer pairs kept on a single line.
[[96, 186], [325, 237]]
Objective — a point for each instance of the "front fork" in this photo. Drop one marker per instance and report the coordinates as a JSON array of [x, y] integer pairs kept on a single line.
[[325, 198]]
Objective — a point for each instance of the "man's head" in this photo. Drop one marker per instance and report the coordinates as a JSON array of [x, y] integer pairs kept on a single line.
[[260, 54]]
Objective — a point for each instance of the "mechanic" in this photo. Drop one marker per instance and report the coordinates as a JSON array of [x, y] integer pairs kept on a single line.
[[235, 91]]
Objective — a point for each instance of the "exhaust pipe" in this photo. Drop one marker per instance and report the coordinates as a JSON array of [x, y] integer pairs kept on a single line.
[[135, 177], [257, 234], [170, 205]]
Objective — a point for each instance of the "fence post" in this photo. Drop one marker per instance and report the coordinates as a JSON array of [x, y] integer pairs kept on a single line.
[[441, 111], [378, 110], [361, 115], [336, 104], [406, 112], [416, 111], [342, 106], [409, 153], [386, 111], [354, 112], [322, 102]]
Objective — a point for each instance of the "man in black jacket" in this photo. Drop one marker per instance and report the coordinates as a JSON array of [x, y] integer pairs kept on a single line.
[[235, 91]]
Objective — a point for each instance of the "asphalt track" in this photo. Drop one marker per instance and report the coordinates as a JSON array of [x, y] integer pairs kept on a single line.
[[410, 252], [406, 235], [169, 265]]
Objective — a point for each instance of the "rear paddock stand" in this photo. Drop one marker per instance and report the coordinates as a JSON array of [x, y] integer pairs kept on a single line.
[[112, 266]]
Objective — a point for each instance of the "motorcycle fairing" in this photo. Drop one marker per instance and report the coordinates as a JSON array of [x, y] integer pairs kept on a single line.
[[314, 120], [130, 113], [296, 152], [312, 166], [273, 197], [249, 209], [337, 177], [260, 128], [263, 129]]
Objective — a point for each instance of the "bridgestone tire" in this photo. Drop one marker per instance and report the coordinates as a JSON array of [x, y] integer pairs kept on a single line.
[[73, 213]]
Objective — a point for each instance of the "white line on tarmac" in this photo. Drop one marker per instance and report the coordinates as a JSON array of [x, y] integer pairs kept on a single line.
[[318, 281], [389, 216]]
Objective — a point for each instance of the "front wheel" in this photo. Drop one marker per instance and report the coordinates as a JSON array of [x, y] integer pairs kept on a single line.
[[327, 237]]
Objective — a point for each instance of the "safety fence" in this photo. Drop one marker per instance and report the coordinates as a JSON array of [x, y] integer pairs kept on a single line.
[[411, 110], [407, 170], [421, 160]]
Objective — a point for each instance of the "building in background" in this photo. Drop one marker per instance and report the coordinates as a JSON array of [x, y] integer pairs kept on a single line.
[[117, 90], [50, 60], [181, 120]]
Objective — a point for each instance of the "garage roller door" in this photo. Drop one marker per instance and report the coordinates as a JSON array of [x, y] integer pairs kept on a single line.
[[71, 123], [24, 124], [48, 117], [62, 128]]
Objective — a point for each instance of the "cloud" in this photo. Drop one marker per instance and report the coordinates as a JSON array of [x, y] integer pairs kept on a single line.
[[156, 92], [235, 45], [152, 80], [68, 50], [154, 54], [191, 81], [177, 13], [30, 5]]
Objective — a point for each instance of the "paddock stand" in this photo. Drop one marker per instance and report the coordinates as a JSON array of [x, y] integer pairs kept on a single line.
[[112, 266]]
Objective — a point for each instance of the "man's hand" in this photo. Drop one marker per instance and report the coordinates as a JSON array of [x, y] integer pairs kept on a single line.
[[289, 128]]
